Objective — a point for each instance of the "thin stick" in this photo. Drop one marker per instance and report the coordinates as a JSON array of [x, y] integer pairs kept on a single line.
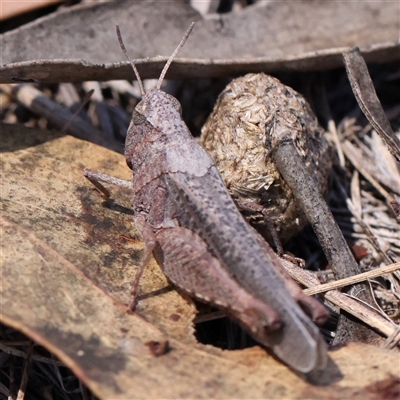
[[121, 43], [367, 315], [180, 45], [392, 340], [58, 115], [76, 113], [367, 99], [7, 348], [25, 374], [298, 178], [353, 279]]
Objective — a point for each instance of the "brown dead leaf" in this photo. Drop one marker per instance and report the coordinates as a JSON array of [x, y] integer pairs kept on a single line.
[[67, 262], [97, 237], [263, 37]]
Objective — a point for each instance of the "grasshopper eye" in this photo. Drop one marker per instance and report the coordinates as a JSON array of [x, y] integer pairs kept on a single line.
[[137, 118], [175, 104]]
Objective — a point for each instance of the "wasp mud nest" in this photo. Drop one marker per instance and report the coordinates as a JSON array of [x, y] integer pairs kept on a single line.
[[251, 115]]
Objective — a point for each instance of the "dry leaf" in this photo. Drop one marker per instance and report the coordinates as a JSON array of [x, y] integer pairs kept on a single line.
[[67, 261], [264, 37]]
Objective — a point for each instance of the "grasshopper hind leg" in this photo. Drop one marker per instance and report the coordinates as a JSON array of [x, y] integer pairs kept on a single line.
[[187, 262]]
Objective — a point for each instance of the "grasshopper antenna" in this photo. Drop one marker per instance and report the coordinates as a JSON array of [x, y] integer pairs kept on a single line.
[[121, 43], [180, 45]]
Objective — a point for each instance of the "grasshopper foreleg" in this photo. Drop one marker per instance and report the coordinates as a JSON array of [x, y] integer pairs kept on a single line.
[[149, 239], [145, 231], [96, 177]]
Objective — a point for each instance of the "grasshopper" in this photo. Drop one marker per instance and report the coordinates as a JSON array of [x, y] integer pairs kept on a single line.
[[187, 218]]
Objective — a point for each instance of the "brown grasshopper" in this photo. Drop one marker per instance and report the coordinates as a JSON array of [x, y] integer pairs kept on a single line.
[[186, 216]]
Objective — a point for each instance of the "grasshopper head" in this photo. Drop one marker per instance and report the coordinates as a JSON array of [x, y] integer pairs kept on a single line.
[[156, 106]]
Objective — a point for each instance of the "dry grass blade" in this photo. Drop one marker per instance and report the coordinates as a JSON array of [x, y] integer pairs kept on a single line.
[[368, 315], [353, 279], [367, 99], [392, 340], [355, 206], [353, 156]]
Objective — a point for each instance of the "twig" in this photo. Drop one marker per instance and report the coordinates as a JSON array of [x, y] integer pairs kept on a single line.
[[40, 104], [393, 340], [352, 279], [353, 307], [298, 178], [77, 112], [367, 99], [25, 374], [333, 243], [19, 353]]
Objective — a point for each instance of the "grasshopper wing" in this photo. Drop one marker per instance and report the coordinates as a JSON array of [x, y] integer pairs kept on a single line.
[[210, 212]]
